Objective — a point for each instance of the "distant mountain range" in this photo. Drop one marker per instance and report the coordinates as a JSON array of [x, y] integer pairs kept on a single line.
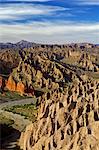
[[26, 44], [22, 44]]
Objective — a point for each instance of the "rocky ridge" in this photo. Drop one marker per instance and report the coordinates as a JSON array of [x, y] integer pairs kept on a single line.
[[50, 68], [65, 80], [66, 121]]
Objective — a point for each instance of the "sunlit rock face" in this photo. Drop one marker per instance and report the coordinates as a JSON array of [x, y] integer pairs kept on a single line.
[[19, 87], [67, 120], [11, 84]]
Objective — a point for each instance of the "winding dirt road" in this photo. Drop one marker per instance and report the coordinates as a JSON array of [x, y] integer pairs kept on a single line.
[[10, 103]]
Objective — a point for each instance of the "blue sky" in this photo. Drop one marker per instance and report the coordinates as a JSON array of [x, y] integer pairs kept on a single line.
[[49, 21]]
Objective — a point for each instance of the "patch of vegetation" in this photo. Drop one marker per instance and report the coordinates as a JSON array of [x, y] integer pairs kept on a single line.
[[5, 120], [27, 110], [11, 95]]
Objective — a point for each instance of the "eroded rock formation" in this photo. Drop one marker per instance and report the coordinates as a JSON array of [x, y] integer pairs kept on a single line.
[[66, 121], [65, 80], [19, 87], [2, 83]]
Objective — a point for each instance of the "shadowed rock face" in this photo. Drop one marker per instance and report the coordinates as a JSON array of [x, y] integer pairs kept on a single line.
[[2, 83], [8, 135], [9, 59]]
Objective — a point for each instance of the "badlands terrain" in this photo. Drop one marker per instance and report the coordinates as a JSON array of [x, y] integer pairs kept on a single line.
[[63, 82]]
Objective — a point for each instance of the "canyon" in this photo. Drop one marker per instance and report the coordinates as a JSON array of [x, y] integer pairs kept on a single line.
[[64, 79]]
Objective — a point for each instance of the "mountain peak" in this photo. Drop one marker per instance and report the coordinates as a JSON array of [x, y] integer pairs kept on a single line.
[[23, 41]]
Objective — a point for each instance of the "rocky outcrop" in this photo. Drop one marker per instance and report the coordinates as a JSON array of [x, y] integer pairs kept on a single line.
[[2, 83], [9, 59], [40, 73], [66, 121], [86, 63], [19, 87], [11, 84]]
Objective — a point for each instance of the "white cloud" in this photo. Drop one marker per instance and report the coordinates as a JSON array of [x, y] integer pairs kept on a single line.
[[18, 11], [88, 2], [47, 32]]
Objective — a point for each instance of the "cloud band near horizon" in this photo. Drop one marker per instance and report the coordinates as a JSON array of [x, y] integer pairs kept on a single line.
[[54, 22], [51, 32]]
